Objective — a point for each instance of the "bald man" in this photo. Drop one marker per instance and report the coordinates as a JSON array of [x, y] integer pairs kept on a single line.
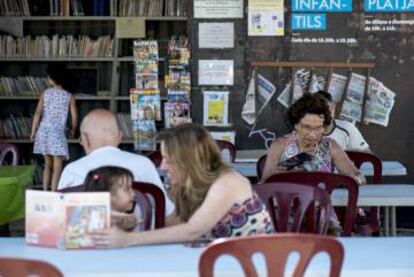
[[100, 137]]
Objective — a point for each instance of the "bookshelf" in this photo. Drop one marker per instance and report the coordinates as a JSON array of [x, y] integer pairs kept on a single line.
[[114, 66]]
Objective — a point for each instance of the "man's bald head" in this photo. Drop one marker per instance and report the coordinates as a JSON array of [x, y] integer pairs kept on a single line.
[[99, 128]]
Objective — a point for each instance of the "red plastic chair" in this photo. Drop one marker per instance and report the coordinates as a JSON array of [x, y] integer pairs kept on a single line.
[[155, 157], [159, 203], [297, 202], [24, 268], [331, 182], [7, 148], [276, 249], [80, 188], [260, 166], [359, 158], [226, 145]]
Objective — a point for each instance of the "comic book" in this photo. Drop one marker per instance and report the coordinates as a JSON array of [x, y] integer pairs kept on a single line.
[[144, 134], [145, 104], [65, 220], [176, 113]]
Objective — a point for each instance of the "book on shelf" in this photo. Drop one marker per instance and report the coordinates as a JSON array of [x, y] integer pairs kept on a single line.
[[57, 46], [65, 220], [22, 85], [151, 8], [15, 127], [125, 124]]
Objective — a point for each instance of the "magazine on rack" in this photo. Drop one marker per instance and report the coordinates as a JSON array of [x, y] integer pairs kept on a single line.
[[65, 220]]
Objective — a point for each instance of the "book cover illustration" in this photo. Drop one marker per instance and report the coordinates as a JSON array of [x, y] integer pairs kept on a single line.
[[65, 220]]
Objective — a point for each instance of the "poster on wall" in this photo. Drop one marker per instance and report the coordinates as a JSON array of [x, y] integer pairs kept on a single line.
[[216, 35], [266, 18], [215, 108], [218, 9], [215, 72]]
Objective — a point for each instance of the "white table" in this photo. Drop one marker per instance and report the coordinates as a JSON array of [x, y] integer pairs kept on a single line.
[[378, 257], [389, 168], [389, 196]]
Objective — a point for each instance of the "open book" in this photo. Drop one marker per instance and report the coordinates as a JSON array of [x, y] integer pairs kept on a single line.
[[65, 220], [296, 161]]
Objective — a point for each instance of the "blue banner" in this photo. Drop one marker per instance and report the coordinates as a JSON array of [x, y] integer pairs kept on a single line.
[[322, 5], [303, 21], [389, 5]]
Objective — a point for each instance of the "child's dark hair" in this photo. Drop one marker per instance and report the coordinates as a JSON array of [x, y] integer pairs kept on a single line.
[[59, 73], [104, 178]]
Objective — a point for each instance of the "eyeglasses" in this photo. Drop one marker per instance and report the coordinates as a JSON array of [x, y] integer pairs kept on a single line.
[[309, 129]]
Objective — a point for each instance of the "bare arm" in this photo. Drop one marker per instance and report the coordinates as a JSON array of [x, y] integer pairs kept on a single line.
[[73, 115], [344, 165], [273, 158], [218, 201], [172, 219], [36, 117]]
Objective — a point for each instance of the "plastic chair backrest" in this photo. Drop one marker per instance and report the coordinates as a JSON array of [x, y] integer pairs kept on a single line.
[[260, 166], [79, 188], [361, 157], [158, 198], [24, 268], [7, 148], [155, 157], [331, 181], [230, 147], [297, 202], [276, 250]]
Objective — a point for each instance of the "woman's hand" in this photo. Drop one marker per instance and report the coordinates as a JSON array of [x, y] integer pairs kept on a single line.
[[123, 220], [111, 238]]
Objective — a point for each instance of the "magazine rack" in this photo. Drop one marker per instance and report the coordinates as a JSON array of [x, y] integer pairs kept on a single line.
[[327, 65]]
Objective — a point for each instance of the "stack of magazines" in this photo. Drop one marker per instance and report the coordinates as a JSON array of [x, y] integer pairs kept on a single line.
[[145, 97], [178, 83]]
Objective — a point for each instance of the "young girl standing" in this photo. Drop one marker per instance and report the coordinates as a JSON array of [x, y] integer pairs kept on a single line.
[[118, 181], [52, 112]]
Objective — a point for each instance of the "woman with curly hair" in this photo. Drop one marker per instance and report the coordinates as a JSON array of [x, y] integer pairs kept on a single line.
[[309, 116]]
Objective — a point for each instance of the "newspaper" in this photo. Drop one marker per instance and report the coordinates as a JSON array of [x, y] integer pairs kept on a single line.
[[380, 101], [266, 91], [249, 106], [301, 80], [336, 87], [352, 106], [284, 97]]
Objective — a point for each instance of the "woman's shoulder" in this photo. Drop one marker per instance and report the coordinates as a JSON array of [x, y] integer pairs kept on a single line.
[[228, 180]]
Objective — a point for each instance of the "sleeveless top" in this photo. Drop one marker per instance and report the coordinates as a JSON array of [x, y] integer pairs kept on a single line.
[[321, 161], [249, 218]]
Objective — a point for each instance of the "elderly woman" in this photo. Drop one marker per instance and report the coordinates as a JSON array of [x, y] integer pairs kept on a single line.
[[309, 116]]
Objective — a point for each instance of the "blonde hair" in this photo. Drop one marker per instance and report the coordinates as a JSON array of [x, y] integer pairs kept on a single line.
[[193, 152]]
